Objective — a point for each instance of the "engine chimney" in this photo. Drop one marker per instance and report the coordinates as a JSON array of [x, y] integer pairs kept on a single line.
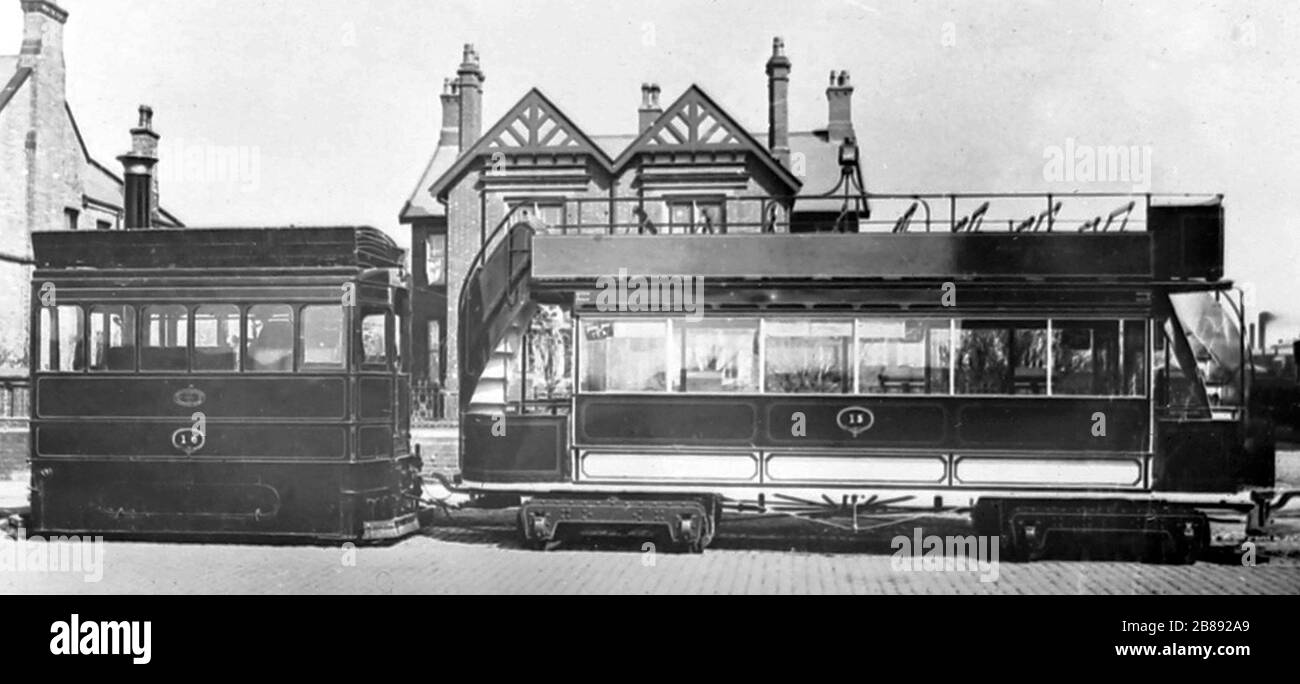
[[140, 196], [778, 108]]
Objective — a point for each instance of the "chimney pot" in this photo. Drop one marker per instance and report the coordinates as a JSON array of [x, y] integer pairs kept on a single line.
[[469, 89], [650, 109], [839, 97]]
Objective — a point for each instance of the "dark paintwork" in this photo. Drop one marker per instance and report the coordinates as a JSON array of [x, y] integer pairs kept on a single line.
[[301, 454], [209, 248], [926, 255], [533, 449], [952, 423]]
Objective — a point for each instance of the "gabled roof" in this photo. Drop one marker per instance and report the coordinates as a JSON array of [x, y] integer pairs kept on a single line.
[[533, 125], [422, 204], [695, 122], [15, 81]]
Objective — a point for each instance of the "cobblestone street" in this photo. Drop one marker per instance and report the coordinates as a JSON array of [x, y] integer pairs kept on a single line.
[[477, 552]]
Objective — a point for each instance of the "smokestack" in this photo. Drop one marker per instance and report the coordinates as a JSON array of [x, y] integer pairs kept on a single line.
[[650, 109], [450, 134], [839, 95], [140, 196], [470, 79], [778, 109], [1265, 317]]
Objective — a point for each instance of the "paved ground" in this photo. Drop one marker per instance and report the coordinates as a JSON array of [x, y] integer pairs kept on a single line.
[[476, 552]]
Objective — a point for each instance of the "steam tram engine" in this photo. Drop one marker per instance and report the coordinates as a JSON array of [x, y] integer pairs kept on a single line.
[[221, 383]]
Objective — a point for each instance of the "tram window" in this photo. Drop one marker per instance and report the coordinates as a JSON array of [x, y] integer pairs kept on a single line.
[[216, 338], [1086, 358], [624, 355], [166, 330], [322, 336], [112, 335], [270, 338], [1133, 365], [1001, 357], [903, 356], [808, 356], [62, 339], [374, 341], [714, 355]]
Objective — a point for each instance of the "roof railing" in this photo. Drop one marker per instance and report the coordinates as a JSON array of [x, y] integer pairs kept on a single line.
[[705, 214]]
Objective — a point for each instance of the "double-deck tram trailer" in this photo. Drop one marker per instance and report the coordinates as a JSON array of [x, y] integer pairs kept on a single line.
[[1048, 376], [221, 383]]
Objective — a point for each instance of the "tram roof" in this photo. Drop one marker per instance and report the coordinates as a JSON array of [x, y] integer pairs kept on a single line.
[[265, 247]]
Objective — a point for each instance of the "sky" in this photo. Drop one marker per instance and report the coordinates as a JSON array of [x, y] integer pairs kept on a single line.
[[326, 111]]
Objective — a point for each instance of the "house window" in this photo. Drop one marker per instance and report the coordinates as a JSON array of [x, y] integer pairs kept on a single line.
[[71, 215], [543, 213], [691, 216], [103, 225], [435, 260]]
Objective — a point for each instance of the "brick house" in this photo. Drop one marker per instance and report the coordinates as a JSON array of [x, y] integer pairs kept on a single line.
[[687, 160], [49, 181]]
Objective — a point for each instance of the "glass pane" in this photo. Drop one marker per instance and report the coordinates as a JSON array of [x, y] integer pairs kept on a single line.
[[322, 336], [62, 339], [679, 217], [983, 357], [112, 334], [216, 337], [1085, 358], [718, 355], [270, 338], [435, 351], [166, 333], [806, 356], [436, 259], [1215, 338], [373, 339], [550, 336], [903, 356], [1133, 365], [624, 356]]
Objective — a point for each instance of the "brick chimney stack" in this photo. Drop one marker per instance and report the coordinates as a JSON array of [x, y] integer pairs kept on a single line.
[[140, 196], [650, 108], [778, 108], [470, 79], [839, 95], [450, 134]]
